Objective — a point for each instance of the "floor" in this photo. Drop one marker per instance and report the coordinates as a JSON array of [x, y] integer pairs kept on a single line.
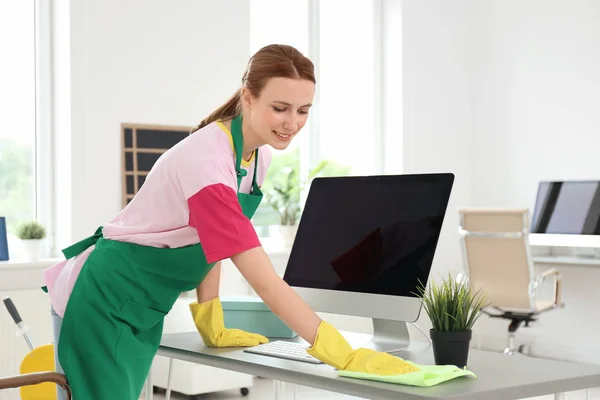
[[263, 390]]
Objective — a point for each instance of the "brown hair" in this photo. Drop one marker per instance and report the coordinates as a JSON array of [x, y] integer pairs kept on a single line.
[[272, 61]]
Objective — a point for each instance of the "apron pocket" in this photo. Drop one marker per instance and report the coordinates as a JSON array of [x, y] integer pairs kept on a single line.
[[140, 331]]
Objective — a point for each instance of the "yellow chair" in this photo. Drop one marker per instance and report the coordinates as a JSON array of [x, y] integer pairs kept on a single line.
[[40, 360]]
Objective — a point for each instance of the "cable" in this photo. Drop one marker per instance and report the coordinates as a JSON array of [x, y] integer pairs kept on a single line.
[[420, 330]]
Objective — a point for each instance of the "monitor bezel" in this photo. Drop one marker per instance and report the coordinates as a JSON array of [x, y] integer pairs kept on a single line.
[[376, 306], [570, 240]]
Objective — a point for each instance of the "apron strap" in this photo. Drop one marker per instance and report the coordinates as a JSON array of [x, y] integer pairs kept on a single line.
[[82, 245], [238, 147], [79, 248], [255, 188]]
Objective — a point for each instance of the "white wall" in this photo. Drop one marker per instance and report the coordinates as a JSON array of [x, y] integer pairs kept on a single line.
[[536, 96], [504, 94], [437, 135], [138, 61], [536, 102]]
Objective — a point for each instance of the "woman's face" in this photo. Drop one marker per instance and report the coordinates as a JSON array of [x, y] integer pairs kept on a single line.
[[280, 111]]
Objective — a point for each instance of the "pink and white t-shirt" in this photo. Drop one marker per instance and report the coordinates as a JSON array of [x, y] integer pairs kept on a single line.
[[189, 197]]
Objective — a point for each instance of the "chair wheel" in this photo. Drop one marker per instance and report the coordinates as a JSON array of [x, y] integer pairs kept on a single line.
[[244, 391]]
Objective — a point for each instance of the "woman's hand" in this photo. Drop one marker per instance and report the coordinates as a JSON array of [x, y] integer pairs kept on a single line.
[[208, 317], [331, 348], [256, 267], [327, 344]]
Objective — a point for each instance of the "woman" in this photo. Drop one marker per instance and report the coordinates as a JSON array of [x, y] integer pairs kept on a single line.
[[109, 297]]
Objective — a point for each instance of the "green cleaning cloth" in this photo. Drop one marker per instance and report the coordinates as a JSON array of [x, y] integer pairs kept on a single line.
[[428, 375]]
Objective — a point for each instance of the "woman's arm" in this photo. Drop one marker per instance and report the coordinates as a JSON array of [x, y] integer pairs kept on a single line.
[[208, 289], [257, 269], [330, 347]]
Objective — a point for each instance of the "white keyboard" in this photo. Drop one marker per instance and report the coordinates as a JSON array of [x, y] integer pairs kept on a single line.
[[283, 349]]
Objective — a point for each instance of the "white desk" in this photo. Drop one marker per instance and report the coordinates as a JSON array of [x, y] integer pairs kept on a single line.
[[499, 376]]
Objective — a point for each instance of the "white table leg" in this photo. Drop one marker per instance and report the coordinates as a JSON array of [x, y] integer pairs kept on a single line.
[[168, 394], [149, 391], [278, 390], [559, 396]]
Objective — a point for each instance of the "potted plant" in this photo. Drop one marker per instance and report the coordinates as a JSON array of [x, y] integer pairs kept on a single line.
[[31, 234], [453, 308], [284, 198]]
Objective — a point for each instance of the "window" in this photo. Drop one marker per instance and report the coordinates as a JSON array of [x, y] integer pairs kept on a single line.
[[341, 130], [19, 101], [271, 22], [347, 103]]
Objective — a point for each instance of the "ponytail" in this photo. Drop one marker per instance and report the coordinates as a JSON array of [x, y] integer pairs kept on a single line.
[[227, 111]]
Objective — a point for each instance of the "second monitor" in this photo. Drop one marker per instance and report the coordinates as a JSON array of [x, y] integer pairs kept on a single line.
[[364, 244]]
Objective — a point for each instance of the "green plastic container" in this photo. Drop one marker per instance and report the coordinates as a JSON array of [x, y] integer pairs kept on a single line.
[[252, 314]]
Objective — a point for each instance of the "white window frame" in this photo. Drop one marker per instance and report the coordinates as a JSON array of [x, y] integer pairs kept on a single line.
[[44, 148], [391, 95], [387, 81], [310, 152]]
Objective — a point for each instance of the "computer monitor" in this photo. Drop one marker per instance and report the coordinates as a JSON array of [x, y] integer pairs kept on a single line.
[[566, 214], [363, 246]]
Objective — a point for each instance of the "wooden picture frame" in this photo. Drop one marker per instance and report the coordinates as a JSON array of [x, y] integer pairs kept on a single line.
[[142, 145]]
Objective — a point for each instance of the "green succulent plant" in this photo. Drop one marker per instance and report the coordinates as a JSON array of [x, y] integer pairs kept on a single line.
[[452, 306]]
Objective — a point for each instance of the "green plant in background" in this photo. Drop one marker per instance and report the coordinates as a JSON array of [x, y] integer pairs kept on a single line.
[[31, 231], [284, 197], [283, 187], [452, 306]]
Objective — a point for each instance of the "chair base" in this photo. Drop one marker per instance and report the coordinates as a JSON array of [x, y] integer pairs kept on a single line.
[[514, 349], [516, 321]]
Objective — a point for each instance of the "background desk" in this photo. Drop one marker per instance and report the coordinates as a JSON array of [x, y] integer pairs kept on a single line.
[[499, 376]]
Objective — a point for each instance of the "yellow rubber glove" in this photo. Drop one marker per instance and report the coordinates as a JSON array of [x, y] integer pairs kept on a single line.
[[208, 317], [331, 348]]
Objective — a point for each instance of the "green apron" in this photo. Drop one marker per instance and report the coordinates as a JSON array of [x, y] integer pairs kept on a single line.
[[113, 321]]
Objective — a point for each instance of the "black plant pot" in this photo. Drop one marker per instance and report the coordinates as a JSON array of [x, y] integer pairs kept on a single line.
[[450, 348]]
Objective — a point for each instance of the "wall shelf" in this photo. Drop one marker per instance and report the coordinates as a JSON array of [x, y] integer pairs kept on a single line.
[[23, 274]]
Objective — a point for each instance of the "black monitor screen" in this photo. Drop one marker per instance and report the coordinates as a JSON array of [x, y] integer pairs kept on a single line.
[[567, 207], [369, 234]]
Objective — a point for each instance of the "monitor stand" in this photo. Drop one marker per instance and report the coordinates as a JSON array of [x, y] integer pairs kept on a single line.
[[388, 336]]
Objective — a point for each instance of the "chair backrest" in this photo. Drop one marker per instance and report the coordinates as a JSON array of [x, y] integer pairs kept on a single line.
[[496, 253]]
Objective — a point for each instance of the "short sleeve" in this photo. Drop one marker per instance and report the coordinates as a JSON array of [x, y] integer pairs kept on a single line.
[[197, 173], [214, 210]]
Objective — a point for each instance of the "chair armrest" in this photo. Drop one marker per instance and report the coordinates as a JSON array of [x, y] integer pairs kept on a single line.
[[557, 284], [549, 272], [35, 378]]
